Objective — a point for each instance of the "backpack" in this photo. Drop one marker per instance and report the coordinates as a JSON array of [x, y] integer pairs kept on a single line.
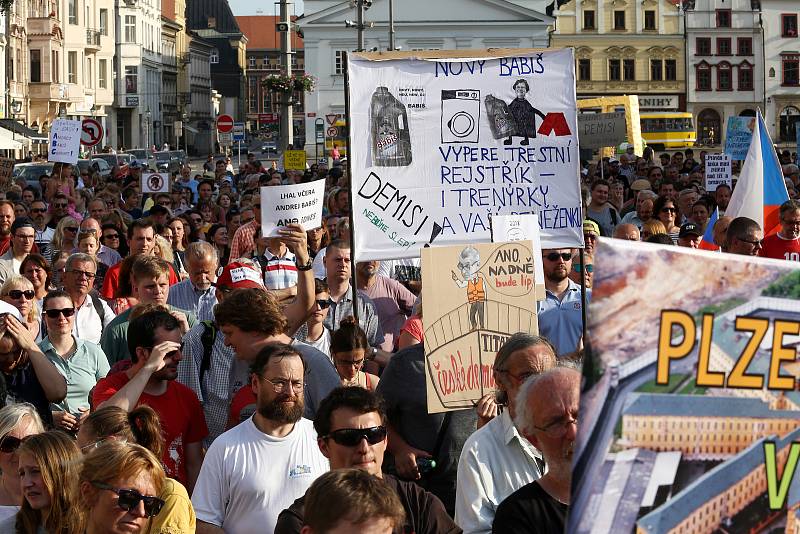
[[207, 338]]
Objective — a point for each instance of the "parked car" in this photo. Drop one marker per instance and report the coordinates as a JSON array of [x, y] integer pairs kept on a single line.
[[102, 165], [269, 148], [120, 161], [143, 156], [180, 156], [30, 172]]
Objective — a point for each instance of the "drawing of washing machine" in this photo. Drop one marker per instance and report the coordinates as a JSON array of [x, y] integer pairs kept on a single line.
[[461, 113]]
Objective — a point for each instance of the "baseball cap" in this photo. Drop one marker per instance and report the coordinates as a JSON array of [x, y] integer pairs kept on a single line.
[[237, 275], [22, 222], [591, 226], [688, 229]]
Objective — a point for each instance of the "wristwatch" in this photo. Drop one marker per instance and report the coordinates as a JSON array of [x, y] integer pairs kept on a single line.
[[305, 267]]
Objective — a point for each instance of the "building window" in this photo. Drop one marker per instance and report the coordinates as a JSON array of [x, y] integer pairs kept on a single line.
[[252, 62], [628, 69], [338, 62], [252, 94], [588, 19], [619, 20], [103, 22], [745, 77], [703, 75], [214, 57], [649, 19], [102, 81], [703, 46], [723, 46], [584, 70], [655, 70], [131, 79], [72, 67], [130, 29], [724, 78], [614, 73], [744, 46], [791, 69], [73, 11], [670, 70], [55, 75], [789, 25], [36, 66], [723, 18], [88, 78]]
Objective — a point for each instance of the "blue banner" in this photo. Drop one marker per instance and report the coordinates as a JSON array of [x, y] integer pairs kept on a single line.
[[738, 136]]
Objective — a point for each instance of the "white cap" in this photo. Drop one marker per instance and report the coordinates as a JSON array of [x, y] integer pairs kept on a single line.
[[5, 308]]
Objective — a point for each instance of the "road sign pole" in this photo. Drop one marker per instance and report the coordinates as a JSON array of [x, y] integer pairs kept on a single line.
[[239, 159]]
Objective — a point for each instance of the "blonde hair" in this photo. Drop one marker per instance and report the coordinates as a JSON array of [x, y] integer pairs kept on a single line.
[[13, 282], [654, 226], [58, 236], [163, 249]]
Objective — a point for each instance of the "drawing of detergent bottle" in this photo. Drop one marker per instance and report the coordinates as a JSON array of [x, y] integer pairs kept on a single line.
[[391, 139], [500, 119]]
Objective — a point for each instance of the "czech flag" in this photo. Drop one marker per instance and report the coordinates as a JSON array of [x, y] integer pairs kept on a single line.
[[707, 243], [760, 190]]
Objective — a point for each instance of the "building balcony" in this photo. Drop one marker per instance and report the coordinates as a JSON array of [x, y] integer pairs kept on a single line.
[[92, 40], [47, 27], [48, 91]]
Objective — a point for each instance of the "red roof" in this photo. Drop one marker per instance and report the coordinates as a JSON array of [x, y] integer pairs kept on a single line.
[[261, 33]]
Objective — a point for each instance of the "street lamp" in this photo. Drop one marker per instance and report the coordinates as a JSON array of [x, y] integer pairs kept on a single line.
[[185, 117], [16, 107], [147, 127]]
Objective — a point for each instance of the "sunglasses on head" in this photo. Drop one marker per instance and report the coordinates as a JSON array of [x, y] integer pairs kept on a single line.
[[10, 444], [553, 256], [55, 312], [18, 294], [129, 499], [350, 437]]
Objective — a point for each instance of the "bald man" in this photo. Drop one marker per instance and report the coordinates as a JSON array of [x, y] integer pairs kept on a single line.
[[626, 231]]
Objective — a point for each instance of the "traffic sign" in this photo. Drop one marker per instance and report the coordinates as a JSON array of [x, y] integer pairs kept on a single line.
[[331, 118], [91, 132], [333, 131], [224, 123], [238, 131], [225, 138]]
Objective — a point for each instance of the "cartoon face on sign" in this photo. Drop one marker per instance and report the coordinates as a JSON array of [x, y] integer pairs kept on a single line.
[[155, 182]]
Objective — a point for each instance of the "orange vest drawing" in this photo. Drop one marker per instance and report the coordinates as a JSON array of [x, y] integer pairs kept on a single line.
[[475, 290]]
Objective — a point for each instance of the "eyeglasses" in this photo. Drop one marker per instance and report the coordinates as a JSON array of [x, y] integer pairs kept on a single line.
[[520, 378], [323, 303], [111, 236], [81, 274], [72, 229], [10, 444], [17, 294], [129, 499], [62, 206], [756, 243], [53, 313], [282, 385], [351, 437], [557, 429], [25, 237], [350, 363], [668, 210], [553, 256], [588, 268]]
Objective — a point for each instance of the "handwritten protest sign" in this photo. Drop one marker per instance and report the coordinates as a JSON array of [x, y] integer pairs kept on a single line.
[[718, 171], [598, 130], [440, 144], [155, 182], [521, 228], [738, 135], [296, 203], [65, 141], [294, 160], [6, 170], [474, 298]]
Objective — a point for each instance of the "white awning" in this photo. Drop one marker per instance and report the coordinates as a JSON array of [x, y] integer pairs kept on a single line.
[[9, 141]]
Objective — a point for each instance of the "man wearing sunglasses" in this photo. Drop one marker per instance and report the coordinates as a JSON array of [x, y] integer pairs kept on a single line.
[[588, 270], [351, 425], [547, 415], [744, 237], [259, 467], [560, 316], [154, 342], [23, 234], [43, 235]]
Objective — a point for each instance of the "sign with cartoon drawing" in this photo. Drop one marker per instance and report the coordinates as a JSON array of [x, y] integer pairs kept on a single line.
[[441, 143], [475, 296]]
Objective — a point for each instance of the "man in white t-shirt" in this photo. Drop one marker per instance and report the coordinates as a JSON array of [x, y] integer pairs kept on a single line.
[[259, 467]]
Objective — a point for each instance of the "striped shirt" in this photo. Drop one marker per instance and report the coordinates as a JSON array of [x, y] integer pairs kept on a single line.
[[279, 272], [367, 316], [243, 243], [185, 296]]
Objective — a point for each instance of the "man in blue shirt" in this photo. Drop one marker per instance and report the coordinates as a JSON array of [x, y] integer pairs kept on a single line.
[[560, 314]]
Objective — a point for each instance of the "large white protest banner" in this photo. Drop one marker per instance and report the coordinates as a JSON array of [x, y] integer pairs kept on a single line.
[[440, 144], [718, 171], [65, 141], [296, 203]]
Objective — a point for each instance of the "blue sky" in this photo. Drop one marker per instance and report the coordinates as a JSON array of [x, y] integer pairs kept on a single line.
[[248, 7]]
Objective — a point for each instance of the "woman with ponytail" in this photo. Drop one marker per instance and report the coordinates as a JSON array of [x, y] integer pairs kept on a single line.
[[142, 427], [349, 347]]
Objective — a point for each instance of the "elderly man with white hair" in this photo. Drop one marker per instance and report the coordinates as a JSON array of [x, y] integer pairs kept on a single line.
[[547, 415]]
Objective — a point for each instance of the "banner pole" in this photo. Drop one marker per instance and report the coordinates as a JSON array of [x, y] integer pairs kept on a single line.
[[583, 294], [353, 281]]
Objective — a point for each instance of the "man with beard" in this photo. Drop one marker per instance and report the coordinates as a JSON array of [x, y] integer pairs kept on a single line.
[[496, 460], [560, 314], [43, 234], [785, 245], [393, 301], [259, 468], [6, 220], [547, 415], [196, 294], [154, 342]]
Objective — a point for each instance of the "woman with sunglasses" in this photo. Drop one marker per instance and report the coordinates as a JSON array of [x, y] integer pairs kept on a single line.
[[64, 236], [118, 486], [17, 422], [667, 212], [111, 236], [48, 468], [81, 363], [143, 427], [349, 349], [18, 291], [36, 269]]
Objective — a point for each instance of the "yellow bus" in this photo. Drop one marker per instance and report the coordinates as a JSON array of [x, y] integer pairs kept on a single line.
[[668, 130]]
